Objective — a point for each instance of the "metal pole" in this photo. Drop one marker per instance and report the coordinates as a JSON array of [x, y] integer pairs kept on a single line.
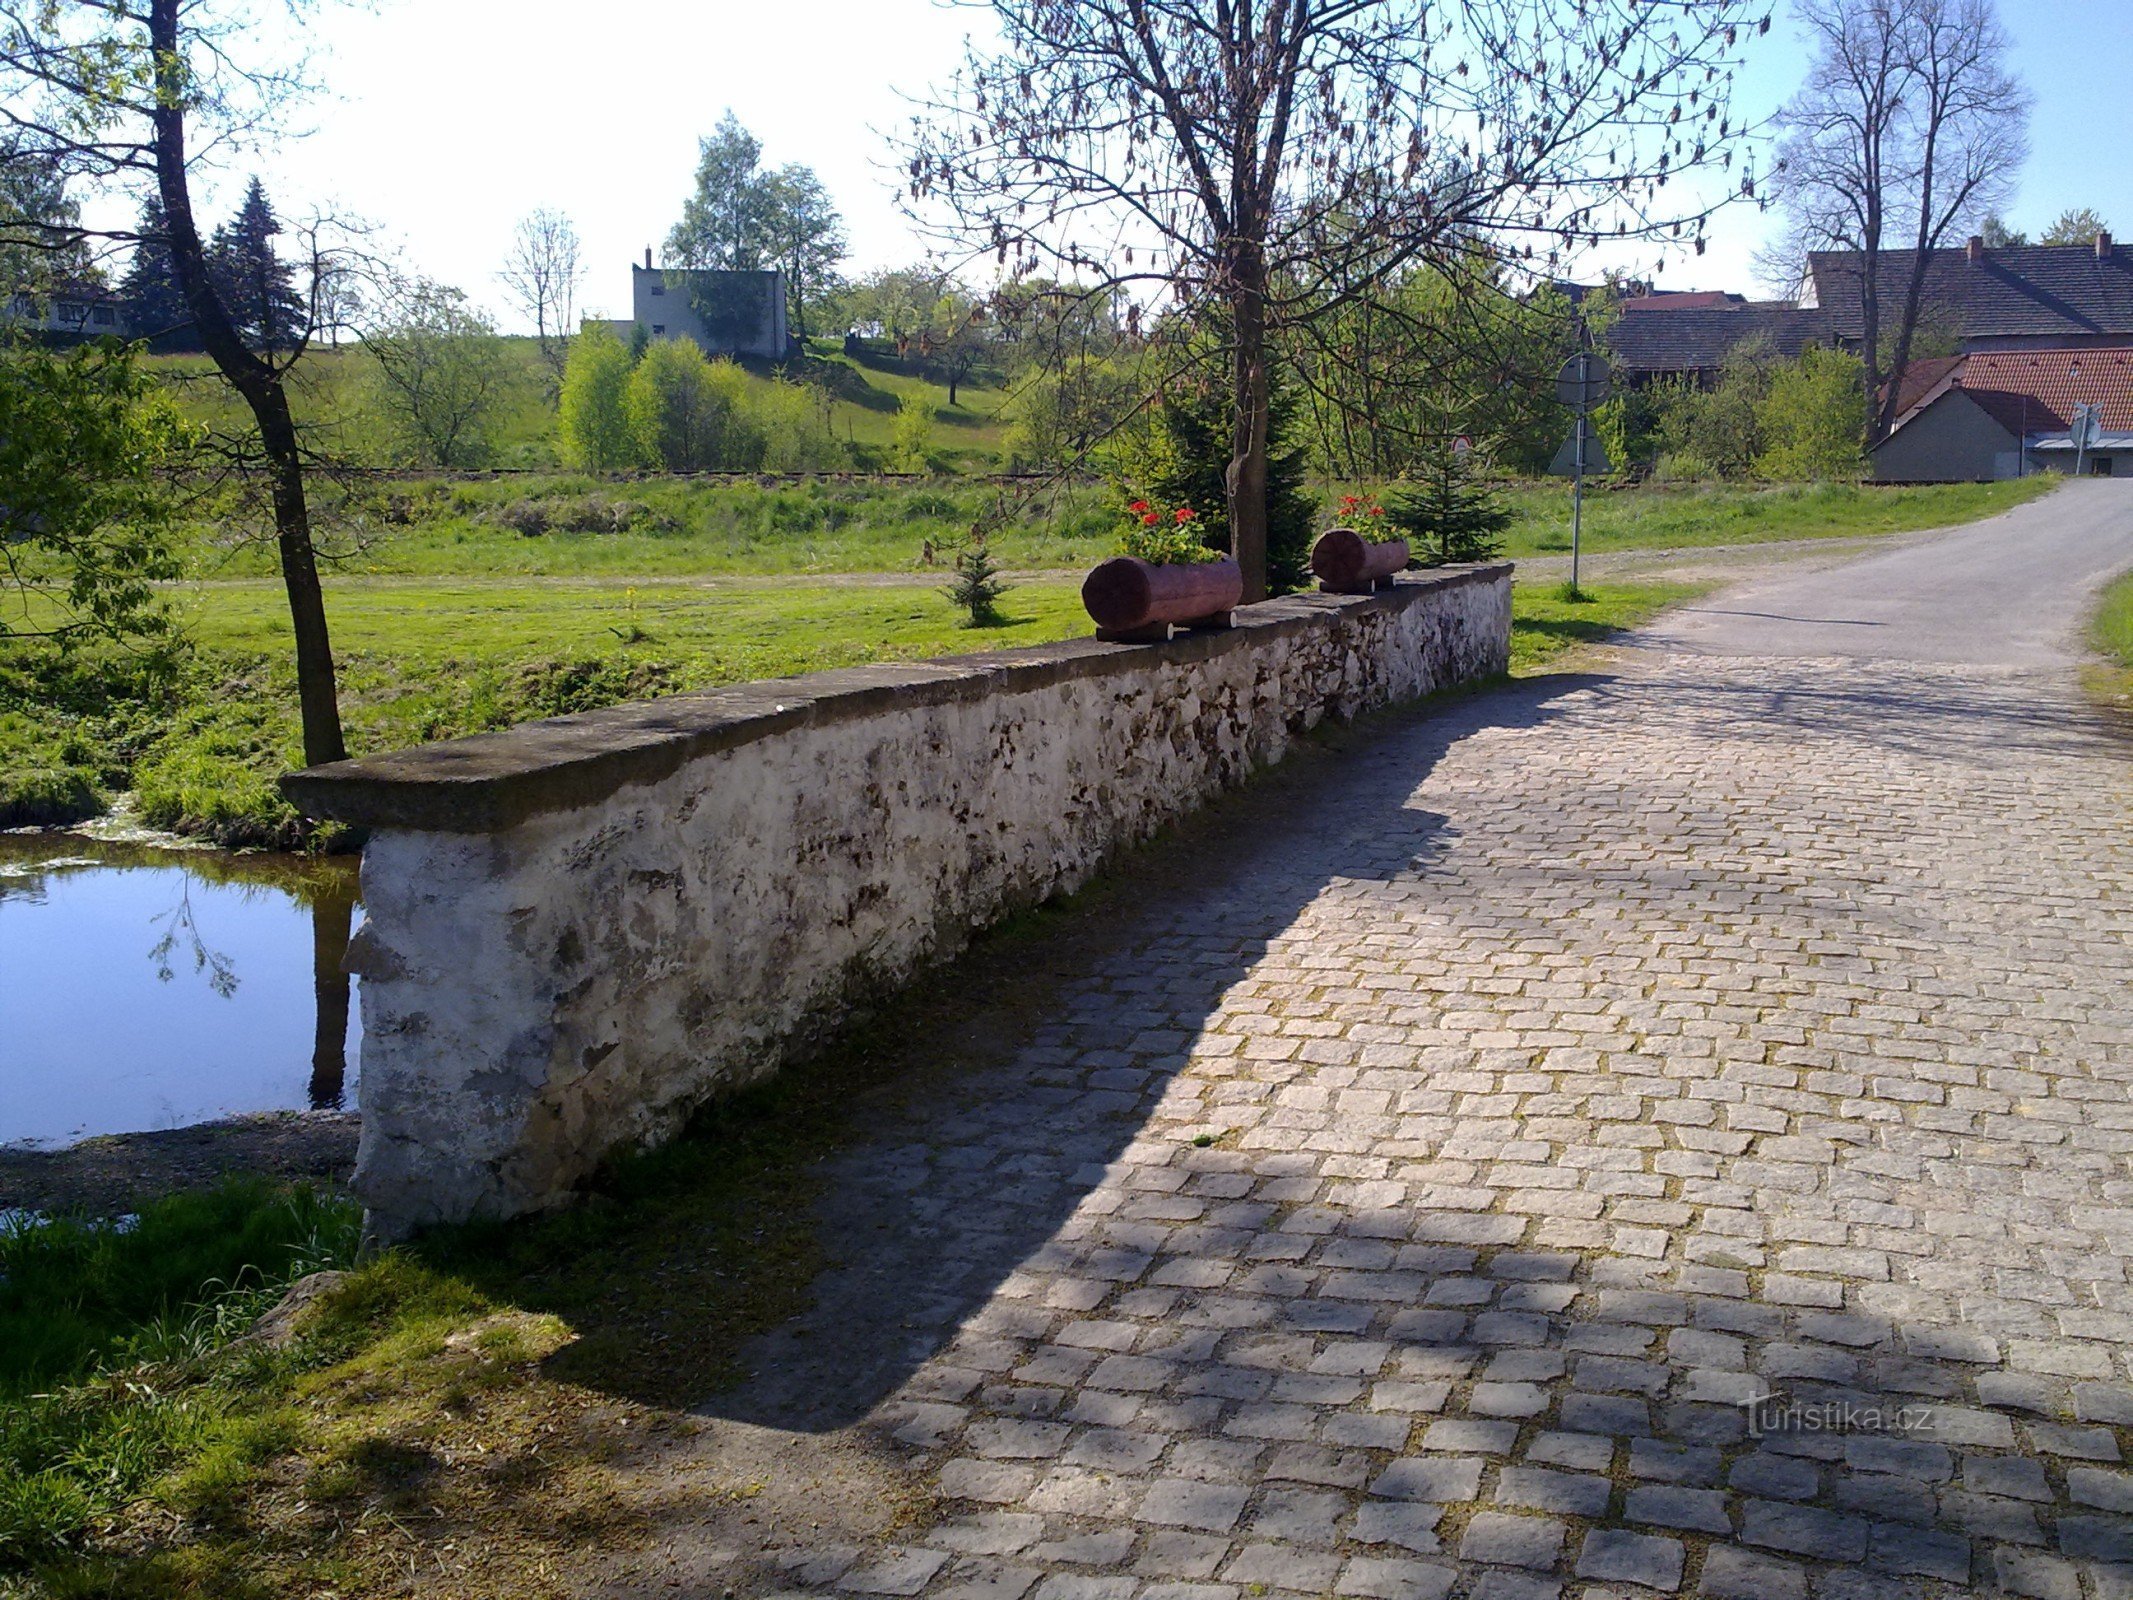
[[1577, 487]]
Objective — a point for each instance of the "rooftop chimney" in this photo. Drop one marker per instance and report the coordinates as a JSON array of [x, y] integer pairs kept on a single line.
[[1974, 251], [648, 258], [2103, 244]]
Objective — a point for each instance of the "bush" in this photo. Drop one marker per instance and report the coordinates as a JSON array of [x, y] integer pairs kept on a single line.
[[688, 414], [527, 517], [913, 434], [594, 421], [1181, 457], [1814, 418]]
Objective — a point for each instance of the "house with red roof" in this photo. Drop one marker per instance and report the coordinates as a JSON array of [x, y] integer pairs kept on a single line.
[[2009, 412]]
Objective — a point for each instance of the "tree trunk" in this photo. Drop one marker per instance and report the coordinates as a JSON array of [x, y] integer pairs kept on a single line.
[[261, 386], [1246, 476]]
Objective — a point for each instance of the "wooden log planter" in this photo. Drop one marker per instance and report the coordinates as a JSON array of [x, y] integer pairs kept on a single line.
[[1136, 602], [1348, 563]]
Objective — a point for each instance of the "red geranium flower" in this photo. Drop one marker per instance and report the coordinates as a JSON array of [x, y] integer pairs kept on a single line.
[[1185, 513], [1377, 511], [1137, 505], [1150, 518]]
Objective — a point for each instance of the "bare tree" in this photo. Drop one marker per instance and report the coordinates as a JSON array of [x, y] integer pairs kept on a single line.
[[1238, 157], [542, 273], [441, 370], [112, 93], [1908, 132]]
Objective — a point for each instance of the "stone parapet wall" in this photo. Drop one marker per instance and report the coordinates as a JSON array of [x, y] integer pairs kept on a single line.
[[581, 929]]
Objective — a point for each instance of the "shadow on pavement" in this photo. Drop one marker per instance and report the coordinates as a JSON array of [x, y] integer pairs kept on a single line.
[[948, 1194]]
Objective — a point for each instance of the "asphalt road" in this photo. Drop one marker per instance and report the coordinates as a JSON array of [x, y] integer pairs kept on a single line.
[[2008, 592]]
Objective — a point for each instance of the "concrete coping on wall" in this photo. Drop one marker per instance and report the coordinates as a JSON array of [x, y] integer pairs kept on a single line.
[[491, 781]]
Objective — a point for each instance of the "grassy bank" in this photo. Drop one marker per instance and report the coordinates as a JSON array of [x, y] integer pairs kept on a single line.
[[2111, 632], [464, 610], [337, 399]]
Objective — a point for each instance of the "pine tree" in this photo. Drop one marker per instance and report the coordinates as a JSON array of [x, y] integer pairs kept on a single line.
[[1189, 451], [977, 587], [1445, 513], [257, 285], [155, 305]]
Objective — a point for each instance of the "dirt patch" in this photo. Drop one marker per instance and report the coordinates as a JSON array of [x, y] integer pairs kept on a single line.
[[112, 1175]]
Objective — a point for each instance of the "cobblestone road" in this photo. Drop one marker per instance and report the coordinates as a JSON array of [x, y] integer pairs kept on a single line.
[[1591, 1060]]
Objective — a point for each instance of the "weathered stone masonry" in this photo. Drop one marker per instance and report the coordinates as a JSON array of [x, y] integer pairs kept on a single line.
[[580, 929]]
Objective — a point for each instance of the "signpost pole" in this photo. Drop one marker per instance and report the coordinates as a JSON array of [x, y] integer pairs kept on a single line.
[[1577, 501], [1582, 384]]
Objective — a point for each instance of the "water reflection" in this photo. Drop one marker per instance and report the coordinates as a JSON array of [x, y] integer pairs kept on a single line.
[[149, 988]]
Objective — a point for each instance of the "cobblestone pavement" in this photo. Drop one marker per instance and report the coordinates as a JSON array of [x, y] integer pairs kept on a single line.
[[1415, 1209]]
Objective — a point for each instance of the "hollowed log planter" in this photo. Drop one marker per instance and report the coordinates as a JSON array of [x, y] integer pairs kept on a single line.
[[1348, 563], [1135, 602]]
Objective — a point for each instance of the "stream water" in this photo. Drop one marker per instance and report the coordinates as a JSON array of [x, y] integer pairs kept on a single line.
[[145, 988]]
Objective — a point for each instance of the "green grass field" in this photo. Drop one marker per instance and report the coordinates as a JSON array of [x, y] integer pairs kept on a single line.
[[448, 620], [2111, 631]]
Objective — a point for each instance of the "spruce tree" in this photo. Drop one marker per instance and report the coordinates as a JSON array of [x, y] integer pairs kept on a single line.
[[155, 305], [257, 285], [1446, 514], [978, 586], [1185, 462]]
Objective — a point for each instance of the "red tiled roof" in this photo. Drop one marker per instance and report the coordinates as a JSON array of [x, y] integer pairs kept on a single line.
[[2035, 391], [1920, 380]]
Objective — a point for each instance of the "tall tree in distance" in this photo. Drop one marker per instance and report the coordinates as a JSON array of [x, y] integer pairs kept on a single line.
[[740, 218], [1243, 155], [1909, 132], [2079, 226], [542, 273], [42, 242], [257, 287], [805, 237], [155, 303], [724, 221]]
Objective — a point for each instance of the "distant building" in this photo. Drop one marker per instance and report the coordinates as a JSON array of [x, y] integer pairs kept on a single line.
[[68, 314], [2008, 413], [724, 313], [1690, 335], [2019, 297]]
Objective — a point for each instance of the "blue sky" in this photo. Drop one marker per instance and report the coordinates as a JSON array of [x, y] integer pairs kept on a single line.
[[449, 119]]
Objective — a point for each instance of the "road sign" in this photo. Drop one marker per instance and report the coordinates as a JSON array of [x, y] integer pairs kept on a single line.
[[2084, 425], [1565, 464], [1584, 381]]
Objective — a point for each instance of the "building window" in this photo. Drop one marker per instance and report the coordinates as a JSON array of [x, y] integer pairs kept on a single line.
[[659, 288], [659, 327], [102, 314]]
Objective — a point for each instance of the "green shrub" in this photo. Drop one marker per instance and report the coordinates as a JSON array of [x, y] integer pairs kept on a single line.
[[688, 414], [914, 434], [1814, 418], [593, 419]]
